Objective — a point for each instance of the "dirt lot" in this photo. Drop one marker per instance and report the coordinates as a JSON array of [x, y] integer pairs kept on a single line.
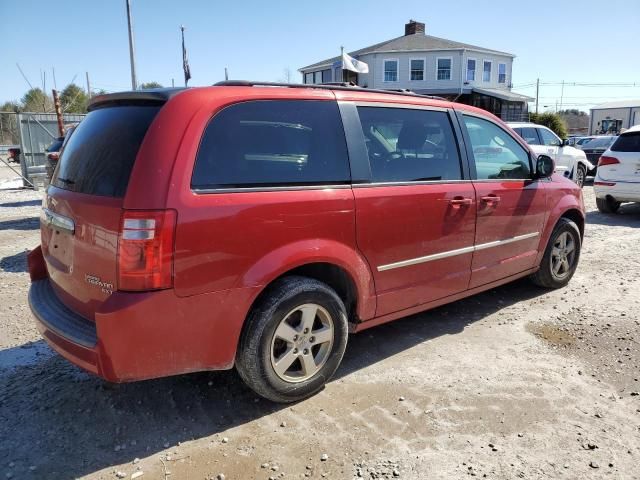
[[517, 382]]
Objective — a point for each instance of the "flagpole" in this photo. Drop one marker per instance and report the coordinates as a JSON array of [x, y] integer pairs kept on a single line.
[[342, 61], [183, 56]]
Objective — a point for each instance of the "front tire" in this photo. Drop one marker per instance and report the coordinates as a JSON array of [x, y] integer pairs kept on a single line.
[[294, 340], [607, 205], [561, 256]]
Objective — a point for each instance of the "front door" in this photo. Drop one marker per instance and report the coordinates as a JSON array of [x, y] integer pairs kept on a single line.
[[415, 218], [511, 205]]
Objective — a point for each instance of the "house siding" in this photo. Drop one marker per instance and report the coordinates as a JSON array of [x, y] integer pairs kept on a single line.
[[375, 77]]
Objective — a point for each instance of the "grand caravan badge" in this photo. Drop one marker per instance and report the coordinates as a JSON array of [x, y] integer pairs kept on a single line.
[[96, 282]]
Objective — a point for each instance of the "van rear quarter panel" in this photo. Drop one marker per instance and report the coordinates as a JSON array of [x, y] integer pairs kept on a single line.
[[247, 239]]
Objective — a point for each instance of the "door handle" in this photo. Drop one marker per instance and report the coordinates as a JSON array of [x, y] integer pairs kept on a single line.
[[460, 201], [491, 199]]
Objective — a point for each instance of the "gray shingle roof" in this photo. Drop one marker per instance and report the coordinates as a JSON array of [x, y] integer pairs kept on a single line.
[[408, 43]]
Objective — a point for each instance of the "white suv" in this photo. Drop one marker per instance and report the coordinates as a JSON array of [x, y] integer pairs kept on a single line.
[[570, 161], [618, 176]]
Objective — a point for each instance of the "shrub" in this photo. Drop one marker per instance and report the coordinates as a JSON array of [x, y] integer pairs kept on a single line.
[[552, 121]]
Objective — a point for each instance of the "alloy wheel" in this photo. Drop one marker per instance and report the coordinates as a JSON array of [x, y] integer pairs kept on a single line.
[[563, 255], [302, 343], [580, 177]]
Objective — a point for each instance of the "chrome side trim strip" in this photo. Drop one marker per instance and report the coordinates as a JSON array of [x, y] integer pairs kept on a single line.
[[497, 243], [453, 253], [427, 258], [56, 220]]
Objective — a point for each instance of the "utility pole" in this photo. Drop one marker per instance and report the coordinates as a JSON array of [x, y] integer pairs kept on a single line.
[[88, 86], [132, 57], [341, 61], [537, 93], [226, 73], [173, 83], [58, 110], [53, 70], [561, 94]]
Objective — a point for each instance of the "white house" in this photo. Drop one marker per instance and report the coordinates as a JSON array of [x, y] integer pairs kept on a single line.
[[424, 64]]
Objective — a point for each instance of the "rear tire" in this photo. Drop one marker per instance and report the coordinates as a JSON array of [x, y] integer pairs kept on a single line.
[[561, 256], [581, 175], [607, 205], [293, 340]]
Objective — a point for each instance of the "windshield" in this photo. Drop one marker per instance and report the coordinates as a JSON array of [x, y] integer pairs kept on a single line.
[[99, 156], [600, 142]]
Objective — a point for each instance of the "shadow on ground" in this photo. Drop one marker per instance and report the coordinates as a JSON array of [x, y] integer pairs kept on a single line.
[[14, 263], [30, 223], [23, 203], [67, 423], [627, 216]]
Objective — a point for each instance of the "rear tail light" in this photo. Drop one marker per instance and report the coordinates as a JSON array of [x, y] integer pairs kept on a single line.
[[145, 250], [604, 160]]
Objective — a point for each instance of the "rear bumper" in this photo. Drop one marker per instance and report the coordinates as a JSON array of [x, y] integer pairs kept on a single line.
[[71, 335], [621, 191], [145, 335]]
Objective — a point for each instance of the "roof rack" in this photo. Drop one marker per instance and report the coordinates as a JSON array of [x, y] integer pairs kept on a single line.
[[343, 86]]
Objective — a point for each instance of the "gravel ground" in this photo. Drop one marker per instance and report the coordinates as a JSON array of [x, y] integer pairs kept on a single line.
[[517, 382]]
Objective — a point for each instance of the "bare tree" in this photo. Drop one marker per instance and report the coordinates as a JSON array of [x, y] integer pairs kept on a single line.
[[287, 76]]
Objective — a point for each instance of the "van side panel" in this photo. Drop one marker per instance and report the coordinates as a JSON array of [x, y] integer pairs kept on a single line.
[[250, 226]]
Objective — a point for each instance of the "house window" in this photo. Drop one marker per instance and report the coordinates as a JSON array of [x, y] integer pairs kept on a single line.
[[444, 69], [391, 70], [308, 78], [417, 69], [317, 77], [471, 70], [326, 76], [502, 73], [486, 71]]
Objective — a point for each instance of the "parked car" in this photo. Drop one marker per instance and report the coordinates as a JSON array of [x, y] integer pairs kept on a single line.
[[570, 162], [14, 153], [54, 150], [578, 142], [256, 226], [618, 176], [595, 147], [52, 155]]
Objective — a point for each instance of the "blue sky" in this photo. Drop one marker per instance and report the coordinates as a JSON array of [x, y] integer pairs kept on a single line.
[[576, 41]]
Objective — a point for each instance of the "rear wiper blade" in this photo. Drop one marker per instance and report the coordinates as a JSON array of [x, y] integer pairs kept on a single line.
[[66, 181]]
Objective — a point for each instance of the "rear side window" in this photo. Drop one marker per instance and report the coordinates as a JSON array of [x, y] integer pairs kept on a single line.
[[99, 156], [273, 143], [406, 145], [528, 134], [629, 142]]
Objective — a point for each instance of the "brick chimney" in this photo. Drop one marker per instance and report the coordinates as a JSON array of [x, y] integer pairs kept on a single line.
[[413, 28]]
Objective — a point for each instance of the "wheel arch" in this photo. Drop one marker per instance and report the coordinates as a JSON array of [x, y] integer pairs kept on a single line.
[[567, 206], [576, 217], [338, 265]]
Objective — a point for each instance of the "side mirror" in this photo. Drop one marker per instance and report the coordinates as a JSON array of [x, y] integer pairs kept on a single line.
[[564, 143], [545, 166]]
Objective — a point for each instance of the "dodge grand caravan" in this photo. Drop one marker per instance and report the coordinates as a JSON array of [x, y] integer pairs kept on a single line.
[[255, 226]]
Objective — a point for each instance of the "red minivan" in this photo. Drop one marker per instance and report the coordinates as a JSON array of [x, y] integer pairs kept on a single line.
[[256, 225]]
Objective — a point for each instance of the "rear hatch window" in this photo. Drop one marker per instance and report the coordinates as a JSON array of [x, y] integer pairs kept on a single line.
[[88, 191], [99, 156], [628, 142]]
